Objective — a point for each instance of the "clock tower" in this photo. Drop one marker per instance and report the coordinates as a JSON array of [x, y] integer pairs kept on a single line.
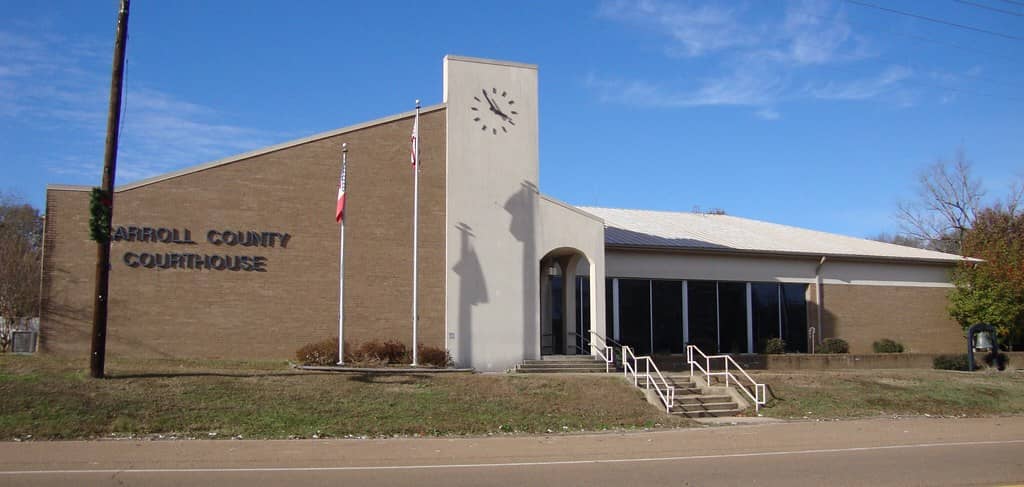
[[492, 279]]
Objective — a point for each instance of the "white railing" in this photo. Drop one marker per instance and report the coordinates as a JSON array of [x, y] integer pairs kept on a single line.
[[760, 390], [603, 350], [631, 365]]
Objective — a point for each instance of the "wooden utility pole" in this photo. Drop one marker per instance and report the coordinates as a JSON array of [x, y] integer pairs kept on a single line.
[[99, 310]]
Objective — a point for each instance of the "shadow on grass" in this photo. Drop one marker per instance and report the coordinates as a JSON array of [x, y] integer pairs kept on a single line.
[[166, 375], [384, 378]]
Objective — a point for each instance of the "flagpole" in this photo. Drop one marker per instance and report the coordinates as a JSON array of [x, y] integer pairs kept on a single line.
[[415, 238], [341, 271]]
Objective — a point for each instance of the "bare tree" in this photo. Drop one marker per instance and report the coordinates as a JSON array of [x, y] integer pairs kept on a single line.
[[21, 231], [899, 240], [948, 201]]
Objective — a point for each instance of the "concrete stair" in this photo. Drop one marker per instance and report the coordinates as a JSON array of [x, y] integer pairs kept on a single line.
[[690, 401], [694, 402], [554, 364]]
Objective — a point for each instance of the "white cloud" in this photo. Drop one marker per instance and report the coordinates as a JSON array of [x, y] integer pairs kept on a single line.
[[767, 114], [862, 89], [697, 29], [56, 85], [813, 34], [740, 88], [759, 63], [751, 85]]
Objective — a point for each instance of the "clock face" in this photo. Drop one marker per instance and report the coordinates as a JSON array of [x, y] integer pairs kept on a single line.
[[494, 110]]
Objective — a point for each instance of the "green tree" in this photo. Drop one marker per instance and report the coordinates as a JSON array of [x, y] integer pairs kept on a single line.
[[21, 236], [992, 291]]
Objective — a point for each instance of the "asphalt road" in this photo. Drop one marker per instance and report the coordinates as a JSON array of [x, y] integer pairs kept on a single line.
[[878, 452]]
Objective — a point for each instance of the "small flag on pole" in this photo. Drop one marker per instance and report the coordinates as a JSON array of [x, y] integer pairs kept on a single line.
[[340, 214], [415, 140]]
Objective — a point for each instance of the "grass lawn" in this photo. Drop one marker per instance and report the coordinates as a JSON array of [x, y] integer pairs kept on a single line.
[[53, 398], [860, 393]]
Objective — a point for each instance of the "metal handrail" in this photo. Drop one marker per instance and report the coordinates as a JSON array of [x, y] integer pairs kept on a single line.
[[603, 350], [668, 396], [605, 339], [607, 354], [760, 390]]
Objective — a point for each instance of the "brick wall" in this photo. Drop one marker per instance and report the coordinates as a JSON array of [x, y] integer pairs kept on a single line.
[[158, 312], [913, 316]]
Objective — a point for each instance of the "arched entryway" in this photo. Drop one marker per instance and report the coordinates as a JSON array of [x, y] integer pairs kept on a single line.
[[565, 303]]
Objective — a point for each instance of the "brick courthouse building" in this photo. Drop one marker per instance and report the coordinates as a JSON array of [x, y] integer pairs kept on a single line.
[[238, 258]]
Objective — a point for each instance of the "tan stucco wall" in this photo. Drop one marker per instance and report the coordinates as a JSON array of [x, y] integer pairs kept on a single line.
[[766, 268], [492, 215], [565, 227], [226, 314]]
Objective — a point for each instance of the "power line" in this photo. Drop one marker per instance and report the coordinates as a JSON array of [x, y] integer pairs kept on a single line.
[[940, 42], [989, 7], [1015, 2], [938, 21]]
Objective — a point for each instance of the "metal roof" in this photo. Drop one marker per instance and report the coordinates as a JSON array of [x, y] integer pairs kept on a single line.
[[726, 233]]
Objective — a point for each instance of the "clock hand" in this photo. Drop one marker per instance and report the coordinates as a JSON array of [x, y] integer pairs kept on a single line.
[[494, 108]]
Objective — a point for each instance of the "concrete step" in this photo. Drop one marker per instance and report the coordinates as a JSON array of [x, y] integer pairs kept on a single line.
[[563, 365], [681, 384], [707, 407], [701, 399], [560, 370], [708, 414], [558, 358]]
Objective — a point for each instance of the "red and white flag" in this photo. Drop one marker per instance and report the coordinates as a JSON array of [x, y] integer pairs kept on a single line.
[[340, 215], [415, 139]]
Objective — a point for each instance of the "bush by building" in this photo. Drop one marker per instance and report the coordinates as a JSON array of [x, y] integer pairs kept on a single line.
[[374, 353], [775, 346], [886, 345], [950, 362], [835, 345], [324, 352]]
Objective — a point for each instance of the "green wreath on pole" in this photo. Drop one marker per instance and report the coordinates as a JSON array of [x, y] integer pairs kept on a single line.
[[99, 215]]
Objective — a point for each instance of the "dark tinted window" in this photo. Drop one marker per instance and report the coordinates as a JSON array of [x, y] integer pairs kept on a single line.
[[635, 314], [794, 317], [732, 313], [764, 299], [668, 317], [582, 313], [700, 296], [609, 309]]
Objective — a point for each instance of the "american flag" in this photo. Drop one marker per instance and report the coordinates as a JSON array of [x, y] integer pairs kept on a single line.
[[340, 215], [415, 140]]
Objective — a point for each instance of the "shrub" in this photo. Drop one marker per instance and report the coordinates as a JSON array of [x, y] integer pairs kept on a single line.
[[950, 362], [375, 352], [997, 360], [434, 356], [835, 345], [324, 352], [886, 345], [775, 346]]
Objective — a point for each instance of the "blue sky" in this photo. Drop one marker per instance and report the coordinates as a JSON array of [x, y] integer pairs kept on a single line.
[[817, 114]]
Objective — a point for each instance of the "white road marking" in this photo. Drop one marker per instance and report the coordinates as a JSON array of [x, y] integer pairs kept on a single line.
[[513, 464]]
